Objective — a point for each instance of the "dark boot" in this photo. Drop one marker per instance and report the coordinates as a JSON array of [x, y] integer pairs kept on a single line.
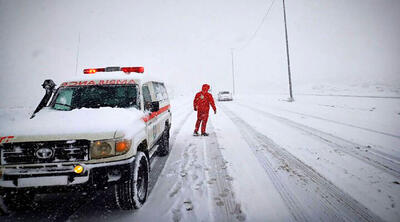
[[204, 134], [195, 133]]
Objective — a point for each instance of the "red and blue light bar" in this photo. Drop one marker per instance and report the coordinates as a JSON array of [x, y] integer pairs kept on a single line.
[[126, 70]]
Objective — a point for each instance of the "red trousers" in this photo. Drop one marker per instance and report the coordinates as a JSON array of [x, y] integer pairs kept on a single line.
[[202, 118]]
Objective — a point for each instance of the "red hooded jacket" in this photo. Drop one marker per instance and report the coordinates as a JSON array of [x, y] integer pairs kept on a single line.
[[203, 100]]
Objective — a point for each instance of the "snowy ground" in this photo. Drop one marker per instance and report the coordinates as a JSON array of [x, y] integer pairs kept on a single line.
[[321, 158]]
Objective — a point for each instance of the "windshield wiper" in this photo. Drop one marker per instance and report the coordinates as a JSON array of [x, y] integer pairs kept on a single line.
[[63, 104]]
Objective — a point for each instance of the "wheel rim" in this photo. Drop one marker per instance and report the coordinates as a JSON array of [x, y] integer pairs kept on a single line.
[[141, 180]]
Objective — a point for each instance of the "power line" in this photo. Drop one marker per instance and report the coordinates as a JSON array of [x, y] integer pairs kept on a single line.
[[258, 27]]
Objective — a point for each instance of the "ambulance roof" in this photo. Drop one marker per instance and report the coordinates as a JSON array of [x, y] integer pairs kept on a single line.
[[102, 76]]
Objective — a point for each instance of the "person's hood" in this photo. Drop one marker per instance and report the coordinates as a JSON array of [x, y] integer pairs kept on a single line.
[[205, 88], [91, 124]]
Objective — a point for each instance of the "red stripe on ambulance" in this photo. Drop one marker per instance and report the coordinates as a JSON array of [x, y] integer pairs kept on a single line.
[[6, 139], [154, 114]]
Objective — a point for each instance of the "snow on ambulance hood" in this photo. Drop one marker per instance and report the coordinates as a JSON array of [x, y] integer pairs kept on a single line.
[[92, 124]]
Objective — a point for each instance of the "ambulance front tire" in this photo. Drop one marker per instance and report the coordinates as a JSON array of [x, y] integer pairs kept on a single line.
[[132, 193], [163, 148]]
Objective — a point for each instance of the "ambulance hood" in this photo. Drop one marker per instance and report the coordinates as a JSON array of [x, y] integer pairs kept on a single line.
[[92, 124]]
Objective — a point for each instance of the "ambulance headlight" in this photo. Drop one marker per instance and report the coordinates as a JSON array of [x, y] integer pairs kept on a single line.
[[101, 149], [108, 148]]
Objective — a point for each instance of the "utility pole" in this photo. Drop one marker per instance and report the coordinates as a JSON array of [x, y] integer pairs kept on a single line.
[[291, 99], [233, 71], [77, 53]]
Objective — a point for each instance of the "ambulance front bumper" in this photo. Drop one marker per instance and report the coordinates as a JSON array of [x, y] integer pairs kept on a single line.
[[63, 175]]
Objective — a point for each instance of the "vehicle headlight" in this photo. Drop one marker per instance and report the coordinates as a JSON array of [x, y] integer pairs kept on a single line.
[[108, 148]]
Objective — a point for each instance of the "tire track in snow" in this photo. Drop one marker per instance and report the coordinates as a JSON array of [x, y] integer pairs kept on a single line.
[[159, 162], [354, 96], [185, 172], [288, 197], [333, 203], [222, 190], [201, 173], [337, 122], [372, 157], [178, 129]]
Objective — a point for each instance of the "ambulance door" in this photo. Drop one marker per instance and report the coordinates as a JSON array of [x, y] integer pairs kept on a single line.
[[151, 122], [163, 97]]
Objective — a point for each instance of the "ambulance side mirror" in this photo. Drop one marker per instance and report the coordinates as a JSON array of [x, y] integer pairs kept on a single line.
[[49, 86], [155, 106]]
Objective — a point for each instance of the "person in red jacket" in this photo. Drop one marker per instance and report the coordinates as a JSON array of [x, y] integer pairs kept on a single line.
[[201, 104]]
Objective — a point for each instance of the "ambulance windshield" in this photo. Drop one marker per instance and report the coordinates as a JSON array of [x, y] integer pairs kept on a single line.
[[96, 96]]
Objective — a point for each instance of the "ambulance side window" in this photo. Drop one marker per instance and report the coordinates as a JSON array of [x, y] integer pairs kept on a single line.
[[146, 97], [161, 93], [164, 91], [157, 91]]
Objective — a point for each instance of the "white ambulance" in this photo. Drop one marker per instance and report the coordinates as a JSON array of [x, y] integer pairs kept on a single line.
[[93, 132]]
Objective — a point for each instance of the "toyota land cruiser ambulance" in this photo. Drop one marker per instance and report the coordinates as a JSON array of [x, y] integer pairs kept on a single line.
[[94, 132]]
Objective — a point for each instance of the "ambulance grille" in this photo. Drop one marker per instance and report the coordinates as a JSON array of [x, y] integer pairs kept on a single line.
[[44, 152]]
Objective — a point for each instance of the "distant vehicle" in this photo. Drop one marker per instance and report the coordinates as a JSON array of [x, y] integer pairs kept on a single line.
[[225, 96], [89, 133]]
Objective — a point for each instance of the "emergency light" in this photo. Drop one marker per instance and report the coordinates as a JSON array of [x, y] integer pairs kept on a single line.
[[126, 70], [93, 71]]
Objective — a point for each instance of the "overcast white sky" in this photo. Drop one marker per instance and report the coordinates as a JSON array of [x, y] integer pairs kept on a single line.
[[188, 43]]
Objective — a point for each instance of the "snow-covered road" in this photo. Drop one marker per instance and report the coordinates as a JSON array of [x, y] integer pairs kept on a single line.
[[318, 159]]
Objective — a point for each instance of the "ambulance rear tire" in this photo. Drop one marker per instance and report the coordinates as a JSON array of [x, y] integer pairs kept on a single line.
[[163, 148], [132, 193]]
